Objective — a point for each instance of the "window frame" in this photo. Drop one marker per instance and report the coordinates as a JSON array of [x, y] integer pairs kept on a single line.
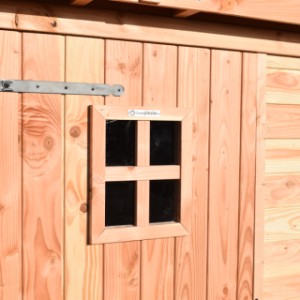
[[142, 173]]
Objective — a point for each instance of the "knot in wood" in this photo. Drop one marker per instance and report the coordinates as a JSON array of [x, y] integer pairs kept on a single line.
[[52, 259], [75, 131], [225, 291], [48, 142], [290, 183], [83, 207], [228, 5]]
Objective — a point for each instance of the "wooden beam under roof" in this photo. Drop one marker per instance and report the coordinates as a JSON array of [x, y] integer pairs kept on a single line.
[[80, 2], [268, 10], [185, 13], [154, 2], [61, 19]]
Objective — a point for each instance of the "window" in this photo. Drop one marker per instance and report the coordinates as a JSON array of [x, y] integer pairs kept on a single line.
[[140, 173]]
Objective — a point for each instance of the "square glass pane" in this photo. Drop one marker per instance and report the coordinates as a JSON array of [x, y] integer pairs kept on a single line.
[[120, 143], [119, 203], [164, 142], [164, 200]]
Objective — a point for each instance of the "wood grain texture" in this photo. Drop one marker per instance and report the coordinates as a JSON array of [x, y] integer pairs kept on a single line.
[[258, 9], [143, 187], [247, 177], [159, 89], [122, 261], [127, 59], [283, 121], [160, 71], [224, 174], [282, 224], [281, 199], [186, 203], [283, 85], [191, 251], [282, 97], [283, 80], [107, 24], [96, 174], [283, 62], [282, 190], [84, 263], [122, 271], [282, 156], [282, 259], [158, 259], [142, 173], [282, 270], [10, 172], [260, 175], [285, 287], [131, 233], [43, 59]]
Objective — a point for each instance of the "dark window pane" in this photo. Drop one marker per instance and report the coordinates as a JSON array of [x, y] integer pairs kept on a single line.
[[120, 143], [164, 143], [164, 200], [119, 203]]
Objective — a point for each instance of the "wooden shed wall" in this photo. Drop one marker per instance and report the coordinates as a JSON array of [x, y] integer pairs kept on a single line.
[[44, 252], [214, 261], [282, 168]]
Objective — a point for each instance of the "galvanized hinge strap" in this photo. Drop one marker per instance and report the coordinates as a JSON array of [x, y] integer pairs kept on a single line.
[[63, 88]]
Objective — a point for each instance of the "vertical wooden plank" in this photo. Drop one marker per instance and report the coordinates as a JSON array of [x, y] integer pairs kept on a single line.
[[123, 65], [260, 174], [160, 75], [186, 166], [96, 173], [247, 177], [143, 159], [43, 170], [121, 271], [122, 261], [10, 171], [191, 251], [224, 174], [159, 90], [84, 264], [158, 269]]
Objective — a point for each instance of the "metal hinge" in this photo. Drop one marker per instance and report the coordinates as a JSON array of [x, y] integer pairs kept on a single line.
[[63, 88]]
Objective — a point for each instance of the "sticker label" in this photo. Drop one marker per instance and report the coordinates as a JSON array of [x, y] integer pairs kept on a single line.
[[143, 113]]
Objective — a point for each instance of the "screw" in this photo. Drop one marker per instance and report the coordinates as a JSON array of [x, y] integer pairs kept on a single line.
[[6, 85]]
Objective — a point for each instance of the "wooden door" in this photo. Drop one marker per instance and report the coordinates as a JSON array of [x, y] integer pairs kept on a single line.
[[216, 259], [44, 235], [31, 179], [142, 269], [279, 195]]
